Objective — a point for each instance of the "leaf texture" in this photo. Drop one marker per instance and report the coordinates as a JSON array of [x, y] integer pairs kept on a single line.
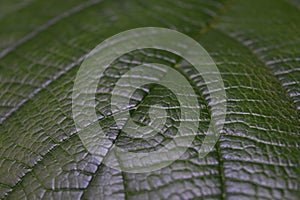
[[256, 47]]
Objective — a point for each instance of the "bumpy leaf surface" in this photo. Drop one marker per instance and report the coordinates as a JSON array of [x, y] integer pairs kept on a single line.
[[256, 45]]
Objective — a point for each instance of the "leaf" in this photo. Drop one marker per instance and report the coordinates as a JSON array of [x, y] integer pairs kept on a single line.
[[256, 47]]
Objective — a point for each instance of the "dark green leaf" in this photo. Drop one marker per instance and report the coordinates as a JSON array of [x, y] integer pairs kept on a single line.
[[256, 45]]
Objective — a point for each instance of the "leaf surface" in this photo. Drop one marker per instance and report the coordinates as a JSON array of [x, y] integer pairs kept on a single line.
[[256, 47]]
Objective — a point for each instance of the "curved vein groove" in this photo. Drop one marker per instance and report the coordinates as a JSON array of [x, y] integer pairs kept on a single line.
[[48, 24], [264, 62]]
